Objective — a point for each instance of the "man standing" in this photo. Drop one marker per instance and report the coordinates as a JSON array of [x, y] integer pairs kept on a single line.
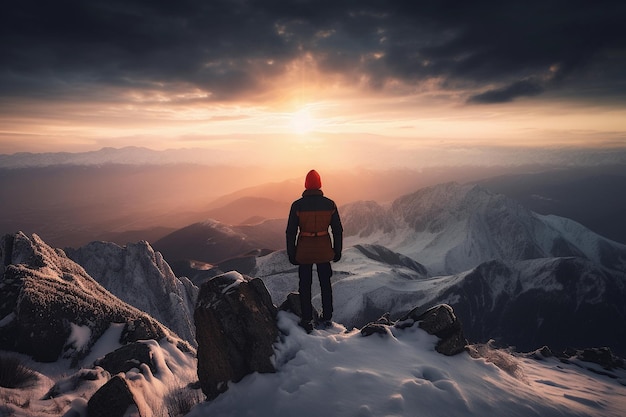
[[309, 242]]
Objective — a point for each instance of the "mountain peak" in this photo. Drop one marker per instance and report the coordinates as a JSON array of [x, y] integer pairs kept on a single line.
[[47, 299]]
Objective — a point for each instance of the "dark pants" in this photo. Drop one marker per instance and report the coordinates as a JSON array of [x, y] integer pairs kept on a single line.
[[324, 272]]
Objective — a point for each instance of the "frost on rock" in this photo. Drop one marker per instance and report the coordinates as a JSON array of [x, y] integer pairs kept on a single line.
[[140, 276], [59, 310]]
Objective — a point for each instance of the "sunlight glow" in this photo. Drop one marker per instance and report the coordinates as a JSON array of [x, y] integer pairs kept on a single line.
[[302, 122]]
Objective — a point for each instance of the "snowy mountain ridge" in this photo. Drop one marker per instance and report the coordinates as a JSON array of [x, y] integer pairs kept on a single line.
[[139, 276], [451, 228], [369, 376]]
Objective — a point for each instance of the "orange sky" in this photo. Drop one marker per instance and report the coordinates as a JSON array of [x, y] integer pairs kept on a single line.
[[335, 125], [400, 84]]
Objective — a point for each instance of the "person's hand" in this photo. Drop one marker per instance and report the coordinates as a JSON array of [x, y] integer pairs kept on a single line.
[[293, 261], [337, 257]]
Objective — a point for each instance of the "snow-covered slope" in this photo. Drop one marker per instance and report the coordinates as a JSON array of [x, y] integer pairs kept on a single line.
[[451, 228], [338, 373], [334, 371], [558, 302], [140, 277], [211, 241]]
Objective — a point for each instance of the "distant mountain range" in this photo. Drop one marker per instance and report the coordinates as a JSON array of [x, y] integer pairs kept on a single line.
[[130, 194], [130, 155], [483, 253]]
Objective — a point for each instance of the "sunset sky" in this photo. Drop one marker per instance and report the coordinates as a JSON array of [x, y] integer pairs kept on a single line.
[[360, 81]]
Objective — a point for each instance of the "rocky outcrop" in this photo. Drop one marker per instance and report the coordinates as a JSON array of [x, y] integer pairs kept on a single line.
[[50, 307], [292, 304], [113, 399], [235, 329], [439, 320], [126, 358], [139, 276]]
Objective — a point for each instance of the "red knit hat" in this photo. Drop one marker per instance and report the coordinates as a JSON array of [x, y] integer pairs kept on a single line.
[[313, 180]]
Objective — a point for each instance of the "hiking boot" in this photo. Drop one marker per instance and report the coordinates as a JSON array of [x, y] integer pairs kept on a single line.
[[306, 325]]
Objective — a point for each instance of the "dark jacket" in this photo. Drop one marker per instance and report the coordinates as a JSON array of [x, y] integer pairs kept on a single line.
[[308, 238]]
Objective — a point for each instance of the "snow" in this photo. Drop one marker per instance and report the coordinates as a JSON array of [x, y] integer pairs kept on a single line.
[[79, 337], [175, 370], [234, 279], [108, 342], [335, 372]]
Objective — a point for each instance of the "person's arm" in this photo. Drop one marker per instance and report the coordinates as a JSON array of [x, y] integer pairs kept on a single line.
[[291, 233], [337, 229]]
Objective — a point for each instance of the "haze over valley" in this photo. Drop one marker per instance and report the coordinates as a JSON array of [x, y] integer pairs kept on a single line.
[[126, 198]]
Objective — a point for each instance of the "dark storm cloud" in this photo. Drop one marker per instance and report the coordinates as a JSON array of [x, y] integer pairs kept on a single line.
[[502, 49]]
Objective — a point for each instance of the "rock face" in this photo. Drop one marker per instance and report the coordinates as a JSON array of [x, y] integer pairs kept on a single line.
[[50, 307], [126, 358], [235, 329], [139, 276], [439, 320], [113, 399]]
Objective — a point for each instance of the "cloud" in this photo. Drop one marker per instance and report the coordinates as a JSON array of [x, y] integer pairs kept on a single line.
[[231, 49], [523, 88]]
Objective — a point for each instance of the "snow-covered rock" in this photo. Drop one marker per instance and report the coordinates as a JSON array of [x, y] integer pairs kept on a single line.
[[140, 277], [51, 308], [236, 322]]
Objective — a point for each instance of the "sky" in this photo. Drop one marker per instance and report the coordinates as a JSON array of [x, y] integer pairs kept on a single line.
[[341, 81]]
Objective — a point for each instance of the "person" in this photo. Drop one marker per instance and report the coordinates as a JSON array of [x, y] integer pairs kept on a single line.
[[309, 242]]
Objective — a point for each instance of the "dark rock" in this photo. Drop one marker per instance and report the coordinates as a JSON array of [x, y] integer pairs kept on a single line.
[[126, 358], [379, 326], [540, 354], [141, 328], [292, 305], [372, 328], [235, 329], [112, 399], [601, 356], [440, 321]]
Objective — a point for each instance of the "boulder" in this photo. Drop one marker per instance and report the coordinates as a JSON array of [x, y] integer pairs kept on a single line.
[[602, 356], [235, 329], [440, 321], [292, 305], [113, 399], [379, 326], [126, 358]]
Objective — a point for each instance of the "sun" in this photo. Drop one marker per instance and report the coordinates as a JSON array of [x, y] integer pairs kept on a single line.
[[302, 122]]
